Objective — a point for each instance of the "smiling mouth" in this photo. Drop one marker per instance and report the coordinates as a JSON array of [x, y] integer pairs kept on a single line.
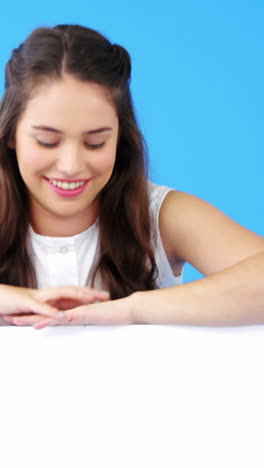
[[67, 185]]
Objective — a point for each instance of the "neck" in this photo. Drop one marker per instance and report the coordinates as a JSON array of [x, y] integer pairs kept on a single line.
[[52, 225]]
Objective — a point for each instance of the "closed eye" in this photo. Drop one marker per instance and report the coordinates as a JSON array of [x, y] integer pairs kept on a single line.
[[53, 145], [47, 145], [98, 145]]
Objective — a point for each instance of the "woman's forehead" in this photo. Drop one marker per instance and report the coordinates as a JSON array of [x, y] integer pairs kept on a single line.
[[70, 100]]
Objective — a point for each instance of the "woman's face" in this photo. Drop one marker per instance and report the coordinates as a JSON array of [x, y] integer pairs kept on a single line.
[[66, 141]]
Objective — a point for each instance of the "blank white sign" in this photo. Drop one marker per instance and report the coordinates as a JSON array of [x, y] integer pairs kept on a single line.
[[132, 396]]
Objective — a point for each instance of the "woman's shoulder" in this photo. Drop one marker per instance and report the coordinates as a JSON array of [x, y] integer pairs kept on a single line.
[[156, 194], [199, 233]]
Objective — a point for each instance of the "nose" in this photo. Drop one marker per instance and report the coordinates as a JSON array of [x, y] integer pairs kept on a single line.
[[71, 163]]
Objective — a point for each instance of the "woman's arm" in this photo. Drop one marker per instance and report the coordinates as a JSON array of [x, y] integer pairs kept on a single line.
[[234, 296], [229, 255]]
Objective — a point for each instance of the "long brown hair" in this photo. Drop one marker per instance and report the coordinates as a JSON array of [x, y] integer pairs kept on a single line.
[[127, 262]]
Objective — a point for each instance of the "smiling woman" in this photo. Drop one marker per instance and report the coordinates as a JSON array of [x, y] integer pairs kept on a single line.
[[72, 160], [70, 152], [78, 214]]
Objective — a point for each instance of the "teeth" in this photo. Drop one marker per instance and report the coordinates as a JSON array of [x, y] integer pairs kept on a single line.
[[66, 185]]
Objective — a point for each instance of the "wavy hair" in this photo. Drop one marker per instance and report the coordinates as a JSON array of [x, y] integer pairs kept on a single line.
[[126, 262]]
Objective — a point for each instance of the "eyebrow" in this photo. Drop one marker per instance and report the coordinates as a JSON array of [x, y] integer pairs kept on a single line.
[[55, 130]]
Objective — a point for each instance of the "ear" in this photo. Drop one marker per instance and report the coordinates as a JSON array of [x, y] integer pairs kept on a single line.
[[11, 143]]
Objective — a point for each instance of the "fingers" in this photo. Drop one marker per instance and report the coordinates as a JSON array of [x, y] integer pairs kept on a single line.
[[60, 296], [49, 303], [46, 323], [116, 312], [25, 320], [72, 292], [110, 313], [45, 309]]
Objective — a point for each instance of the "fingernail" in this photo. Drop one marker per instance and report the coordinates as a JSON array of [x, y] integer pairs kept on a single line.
[[105, 293]]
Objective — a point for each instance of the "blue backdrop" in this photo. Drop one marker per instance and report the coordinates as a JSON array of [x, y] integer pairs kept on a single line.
[[197, 82]]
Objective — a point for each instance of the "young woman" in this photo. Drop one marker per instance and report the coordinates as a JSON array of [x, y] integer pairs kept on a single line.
[[85, 238]]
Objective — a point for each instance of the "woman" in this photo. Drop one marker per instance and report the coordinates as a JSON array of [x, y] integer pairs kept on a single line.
[[78, 216]]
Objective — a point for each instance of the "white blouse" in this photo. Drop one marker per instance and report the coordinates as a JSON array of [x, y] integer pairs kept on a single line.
[[67, 261]]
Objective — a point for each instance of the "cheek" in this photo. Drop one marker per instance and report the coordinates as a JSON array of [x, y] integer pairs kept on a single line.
[[31, 160], [104, 162]]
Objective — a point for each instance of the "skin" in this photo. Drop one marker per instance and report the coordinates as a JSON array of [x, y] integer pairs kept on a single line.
[[73, 108], [27, 303]]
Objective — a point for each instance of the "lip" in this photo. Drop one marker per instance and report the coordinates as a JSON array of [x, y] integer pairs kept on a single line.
[[66, 180], [68, 193]]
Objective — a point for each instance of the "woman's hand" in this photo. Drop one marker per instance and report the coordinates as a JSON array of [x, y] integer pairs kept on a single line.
[[27, 304], [116, 312]]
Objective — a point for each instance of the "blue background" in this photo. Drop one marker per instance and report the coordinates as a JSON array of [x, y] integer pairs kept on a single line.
[[197, 82]]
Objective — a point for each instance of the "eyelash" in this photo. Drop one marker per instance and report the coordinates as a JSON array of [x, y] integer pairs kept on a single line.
[[53, 145]]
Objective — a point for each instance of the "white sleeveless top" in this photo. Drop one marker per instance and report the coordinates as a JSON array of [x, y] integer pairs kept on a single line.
[[68, 261]]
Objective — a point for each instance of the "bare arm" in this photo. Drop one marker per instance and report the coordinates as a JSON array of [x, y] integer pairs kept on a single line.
[[230, 257], [234, 296]]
